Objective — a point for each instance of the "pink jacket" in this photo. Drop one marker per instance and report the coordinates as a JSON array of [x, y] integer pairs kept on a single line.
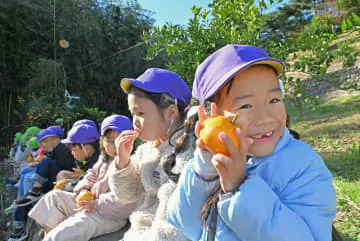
[[96, 180]]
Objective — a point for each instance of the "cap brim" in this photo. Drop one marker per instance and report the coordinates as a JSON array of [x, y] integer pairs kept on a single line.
[[127, 83], [66, 141], [108, 128], [279, 68], [114, 128], [47, 137]]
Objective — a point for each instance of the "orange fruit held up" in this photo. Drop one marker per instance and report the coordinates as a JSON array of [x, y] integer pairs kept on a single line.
[[85, 196], [209, 134], [78, 172], [60, 184]]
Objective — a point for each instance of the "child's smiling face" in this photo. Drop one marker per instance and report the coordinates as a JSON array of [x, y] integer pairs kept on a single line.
[[256, 96]]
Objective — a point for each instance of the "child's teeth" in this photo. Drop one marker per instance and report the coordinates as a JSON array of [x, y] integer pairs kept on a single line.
[[259, 136], [269, 133]]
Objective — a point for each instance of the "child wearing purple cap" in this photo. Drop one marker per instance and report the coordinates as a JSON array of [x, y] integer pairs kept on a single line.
[[65, 219], [83, 142], [58, 157], [157, 100], [273, 187]]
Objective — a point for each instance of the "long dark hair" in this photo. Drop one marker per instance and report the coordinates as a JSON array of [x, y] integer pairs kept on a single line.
[[185, 142], [163, 100]]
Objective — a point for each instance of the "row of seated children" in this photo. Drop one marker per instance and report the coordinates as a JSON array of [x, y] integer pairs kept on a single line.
[[174, 188], [82, 140], [39, 179], [91, 209]]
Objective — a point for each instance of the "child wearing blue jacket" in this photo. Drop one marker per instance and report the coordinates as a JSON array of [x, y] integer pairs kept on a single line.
[[273, 187]]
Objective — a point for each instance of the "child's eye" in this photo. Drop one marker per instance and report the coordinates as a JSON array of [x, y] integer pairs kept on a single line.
[[274, 100], [247, 106], [137, 113]]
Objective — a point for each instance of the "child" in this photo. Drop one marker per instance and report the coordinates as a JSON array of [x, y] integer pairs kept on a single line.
[[70, 220], [85, 154], [34, 146], [157, 101], [41, 180], [15, 145], [15, 150], [23, 151], [24, 184], [283, 191], [58, 158]]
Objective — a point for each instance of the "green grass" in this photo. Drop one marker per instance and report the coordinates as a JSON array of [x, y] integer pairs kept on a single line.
[[333, 129]]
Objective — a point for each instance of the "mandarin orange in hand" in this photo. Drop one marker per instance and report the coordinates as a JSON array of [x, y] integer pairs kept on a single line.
[[78, 172], [39, 157], [209, 134], [85, 196], [60, 184]]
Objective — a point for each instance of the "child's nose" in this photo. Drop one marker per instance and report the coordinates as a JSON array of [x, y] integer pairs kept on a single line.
[[262, 116]]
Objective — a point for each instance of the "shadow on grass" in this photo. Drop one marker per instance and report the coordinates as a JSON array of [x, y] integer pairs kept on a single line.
[[324, 110], [347, 238], [346, 166], [332, 129]]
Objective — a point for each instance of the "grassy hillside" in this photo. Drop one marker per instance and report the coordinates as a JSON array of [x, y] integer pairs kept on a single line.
[[333, 129]]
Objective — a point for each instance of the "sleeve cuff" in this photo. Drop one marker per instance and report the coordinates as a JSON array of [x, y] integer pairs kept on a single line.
[[224, 196], [203, 166]]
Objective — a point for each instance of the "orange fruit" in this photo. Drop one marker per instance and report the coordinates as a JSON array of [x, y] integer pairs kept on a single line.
[[60, 184], [32, 164], [39, 157], [209, 134], [85, 196], [30, 159], [78, 171]]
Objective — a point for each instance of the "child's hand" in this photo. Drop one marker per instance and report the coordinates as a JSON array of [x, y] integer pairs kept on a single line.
[[232, 169], [124, 146], [32, 164], [77, 173], [87, 206]]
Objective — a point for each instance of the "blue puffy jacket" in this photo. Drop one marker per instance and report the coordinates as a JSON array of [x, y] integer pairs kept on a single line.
[[287, 195]]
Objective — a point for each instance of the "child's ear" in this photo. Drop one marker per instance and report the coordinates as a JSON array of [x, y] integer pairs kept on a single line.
[[173, 112]]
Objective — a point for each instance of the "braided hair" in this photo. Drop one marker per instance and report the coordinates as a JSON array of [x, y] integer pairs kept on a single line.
[[185, 142]]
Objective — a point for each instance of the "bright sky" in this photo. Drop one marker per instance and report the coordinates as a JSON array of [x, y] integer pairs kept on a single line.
[[174, 11]]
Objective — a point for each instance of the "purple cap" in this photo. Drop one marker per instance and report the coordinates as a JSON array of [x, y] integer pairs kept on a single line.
[[117, 123], [58, 130], [81, 134], [157, 80], [44, 133], [217, 69], [85, 121]]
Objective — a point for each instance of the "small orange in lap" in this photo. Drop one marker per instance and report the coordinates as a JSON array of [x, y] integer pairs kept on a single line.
[[210, 132], [78, 172], [85, 196], [60, 184]]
